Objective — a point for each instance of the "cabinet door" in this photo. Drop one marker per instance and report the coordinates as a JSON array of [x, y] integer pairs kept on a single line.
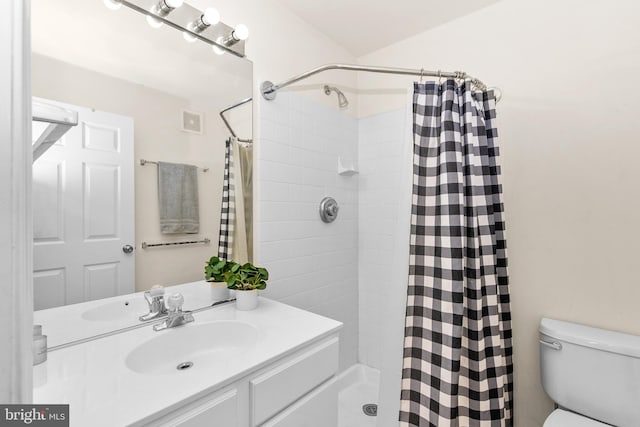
[[215, 411]]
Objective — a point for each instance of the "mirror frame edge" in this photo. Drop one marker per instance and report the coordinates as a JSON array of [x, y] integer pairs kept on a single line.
[[16, 306]]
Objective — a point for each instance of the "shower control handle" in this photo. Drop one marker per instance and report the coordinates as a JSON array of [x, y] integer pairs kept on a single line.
[[329, 209]]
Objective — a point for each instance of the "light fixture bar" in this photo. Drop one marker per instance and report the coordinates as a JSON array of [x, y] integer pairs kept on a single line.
[[182, 19]]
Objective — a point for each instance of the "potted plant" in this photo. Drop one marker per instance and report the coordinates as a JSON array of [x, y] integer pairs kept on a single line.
[[246, 280], [214, 273]]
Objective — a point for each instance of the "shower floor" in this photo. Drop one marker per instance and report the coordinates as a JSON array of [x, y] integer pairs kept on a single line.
[[358, 387]]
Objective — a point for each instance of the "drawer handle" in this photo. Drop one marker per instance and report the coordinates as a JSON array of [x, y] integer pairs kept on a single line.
[[554, 345]]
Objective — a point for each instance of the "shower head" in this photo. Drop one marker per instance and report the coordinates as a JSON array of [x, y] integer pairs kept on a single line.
[[343, 102]]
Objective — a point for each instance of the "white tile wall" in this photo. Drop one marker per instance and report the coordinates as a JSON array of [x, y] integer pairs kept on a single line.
[[312, 265], [355, 269], [384, 149]]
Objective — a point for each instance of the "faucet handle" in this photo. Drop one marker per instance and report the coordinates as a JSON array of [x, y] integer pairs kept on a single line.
[[153, 295], [155, 299], [174, 302], [156, 290]]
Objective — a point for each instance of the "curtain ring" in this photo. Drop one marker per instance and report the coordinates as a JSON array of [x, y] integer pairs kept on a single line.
[[421, 74], [498, 95], [439, 77]]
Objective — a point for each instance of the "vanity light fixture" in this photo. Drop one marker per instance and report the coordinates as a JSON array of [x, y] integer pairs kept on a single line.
[[165, 7], [209, 17], [240, 32], [195, 25], [162, 9], [112, 4]]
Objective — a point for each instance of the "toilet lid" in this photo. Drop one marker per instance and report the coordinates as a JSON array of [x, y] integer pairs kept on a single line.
[[561, 418]]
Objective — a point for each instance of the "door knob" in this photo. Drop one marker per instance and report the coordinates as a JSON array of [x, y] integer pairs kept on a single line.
[[127, 249]]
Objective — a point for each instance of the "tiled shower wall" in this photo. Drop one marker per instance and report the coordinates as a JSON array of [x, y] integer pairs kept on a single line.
[[312, 265], [355, 269], [383, 228]]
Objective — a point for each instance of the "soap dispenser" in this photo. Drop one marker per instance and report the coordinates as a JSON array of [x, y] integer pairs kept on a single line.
[[39, 345]]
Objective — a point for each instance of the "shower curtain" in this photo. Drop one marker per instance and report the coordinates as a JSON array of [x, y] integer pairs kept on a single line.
[[457, 365], [227, 209]]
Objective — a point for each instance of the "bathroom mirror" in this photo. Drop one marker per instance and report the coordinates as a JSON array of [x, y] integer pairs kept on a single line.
[[143, 95]]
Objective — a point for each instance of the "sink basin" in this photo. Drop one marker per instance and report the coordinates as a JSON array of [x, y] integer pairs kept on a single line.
[[117, 310], [190, 346]]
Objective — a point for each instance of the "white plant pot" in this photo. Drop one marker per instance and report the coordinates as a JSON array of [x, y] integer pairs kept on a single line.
[[246, 300], [219, 291]]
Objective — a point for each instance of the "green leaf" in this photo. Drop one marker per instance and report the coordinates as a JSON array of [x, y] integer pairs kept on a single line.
[[240, 277]]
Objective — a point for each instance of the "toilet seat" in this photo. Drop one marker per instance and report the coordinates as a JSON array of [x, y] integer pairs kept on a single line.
[[562, 418]]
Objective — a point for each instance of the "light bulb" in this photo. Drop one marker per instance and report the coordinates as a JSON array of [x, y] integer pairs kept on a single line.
[[153, 22], [216, 49], [240, 32], [188, 37], [112, 4], [173, 3], [211, 16]]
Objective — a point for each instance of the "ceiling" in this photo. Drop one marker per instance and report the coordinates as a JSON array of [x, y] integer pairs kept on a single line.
[[363, 26]]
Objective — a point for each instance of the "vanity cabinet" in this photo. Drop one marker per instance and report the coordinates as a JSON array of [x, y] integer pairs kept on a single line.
[[297, 390], [273, 366]]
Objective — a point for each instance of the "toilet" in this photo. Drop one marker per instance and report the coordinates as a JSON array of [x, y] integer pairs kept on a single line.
[[593, 375]]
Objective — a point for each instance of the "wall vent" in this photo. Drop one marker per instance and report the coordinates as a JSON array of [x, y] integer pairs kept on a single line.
[[192, 122]]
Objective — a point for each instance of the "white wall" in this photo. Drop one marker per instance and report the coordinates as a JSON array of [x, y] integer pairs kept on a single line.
[[312, 265], [568, 130]]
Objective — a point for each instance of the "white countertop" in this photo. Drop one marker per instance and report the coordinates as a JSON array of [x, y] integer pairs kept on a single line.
[[70, 323], [102, 391]]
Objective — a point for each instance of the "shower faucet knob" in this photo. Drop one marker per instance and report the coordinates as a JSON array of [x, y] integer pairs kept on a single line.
[[329, 209]]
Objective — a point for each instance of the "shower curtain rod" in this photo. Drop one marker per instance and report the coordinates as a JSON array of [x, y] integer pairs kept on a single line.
[[228, 125], [268, 89]]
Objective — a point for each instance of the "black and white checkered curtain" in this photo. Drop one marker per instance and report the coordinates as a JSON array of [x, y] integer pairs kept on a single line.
[[227, 211], [457, 368]]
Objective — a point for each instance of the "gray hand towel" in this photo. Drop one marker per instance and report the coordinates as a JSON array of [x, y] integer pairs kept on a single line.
[[178, 198]]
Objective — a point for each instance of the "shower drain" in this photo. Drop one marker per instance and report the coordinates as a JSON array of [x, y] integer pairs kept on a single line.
[[184, 365], [370, 409]]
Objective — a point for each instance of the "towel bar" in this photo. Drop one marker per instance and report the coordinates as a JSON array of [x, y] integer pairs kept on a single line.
[[205, 241], [144, 162]]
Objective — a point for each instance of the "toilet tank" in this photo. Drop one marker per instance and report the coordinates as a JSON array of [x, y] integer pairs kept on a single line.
[[591, 371]]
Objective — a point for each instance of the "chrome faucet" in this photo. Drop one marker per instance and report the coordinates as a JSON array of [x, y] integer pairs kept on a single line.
[[175, 315], [155, 299]]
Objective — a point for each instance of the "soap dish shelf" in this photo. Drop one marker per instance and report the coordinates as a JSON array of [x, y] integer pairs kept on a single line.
[[346, 170]]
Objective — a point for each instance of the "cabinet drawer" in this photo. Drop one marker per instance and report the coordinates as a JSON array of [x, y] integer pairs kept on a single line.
[[279, 387], [316, 409], [219, 410]]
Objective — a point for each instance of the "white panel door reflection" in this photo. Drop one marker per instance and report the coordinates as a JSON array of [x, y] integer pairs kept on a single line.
[[83, 212]]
